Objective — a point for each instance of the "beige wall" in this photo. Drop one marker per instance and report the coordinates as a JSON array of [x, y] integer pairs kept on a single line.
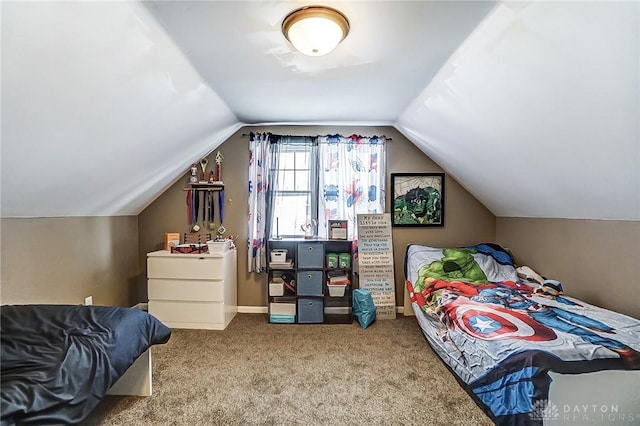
[[168, 213], [467, 221], [596, 260], [63, 260]]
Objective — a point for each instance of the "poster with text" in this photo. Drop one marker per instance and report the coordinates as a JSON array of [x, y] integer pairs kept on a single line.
[[375, 254]]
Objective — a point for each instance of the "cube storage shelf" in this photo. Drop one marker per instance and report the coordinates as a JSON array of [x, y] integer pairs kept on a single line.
[[298, 290]]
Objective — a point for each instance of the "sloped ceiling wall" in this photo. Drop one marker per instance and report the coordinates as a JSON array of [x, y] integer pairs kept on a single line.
[[536, 113], [100, 111]]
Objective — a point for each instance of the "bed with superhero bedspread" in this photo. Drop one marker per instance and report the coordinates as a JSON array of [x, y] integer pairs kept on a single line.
[[59, 361], [525, 351]]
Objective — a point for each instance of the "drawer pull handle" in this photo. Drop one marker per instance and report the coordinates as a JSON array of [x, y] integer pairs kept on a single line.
[[309, 276], [310, 248]]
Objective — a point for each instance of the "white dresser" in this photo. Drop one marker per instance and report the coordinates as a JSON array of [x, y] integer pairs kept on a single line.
[[192, 290]]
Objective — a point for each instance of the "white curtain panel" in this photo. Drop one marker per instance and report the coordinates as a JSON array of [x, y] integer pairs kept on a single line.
[[351, 179], [259, 160]]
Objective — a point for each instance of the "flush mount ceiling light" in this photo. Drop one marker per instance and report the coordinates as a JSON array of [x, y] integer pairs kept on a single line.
[[315, 30]]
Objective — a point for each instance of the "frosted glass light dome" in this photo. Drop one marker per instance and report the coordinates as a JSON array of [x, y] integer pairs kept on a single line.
[[315, 30]]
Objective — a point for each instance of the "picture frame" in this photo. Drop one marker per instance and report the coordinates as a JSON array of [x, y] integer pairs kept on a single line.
[[337, 229], [418, 199]]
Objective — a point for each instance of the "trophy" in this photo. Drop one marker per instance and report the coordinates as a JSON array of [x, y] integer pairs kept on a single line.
[[194, 174], [309, 228], [219, 159], [203, 166]]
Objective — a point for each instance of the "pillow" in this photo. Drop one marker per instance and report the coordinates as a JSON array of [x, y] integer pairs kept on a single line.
[[496, 262], [494, 270], [500, 254]]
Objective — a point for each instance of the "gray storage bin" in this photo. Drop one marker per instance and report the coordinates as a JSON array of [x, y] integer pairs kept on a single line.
[[309, 283], [310, 310], [310, 255]]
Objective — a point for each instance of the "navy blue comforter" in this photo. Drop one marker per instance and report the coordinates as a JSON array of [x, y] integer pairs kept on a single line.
[[58, 361]]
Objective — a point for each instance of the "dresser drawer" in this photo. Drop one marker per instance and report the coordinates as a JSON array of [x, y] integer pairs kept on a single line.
[[187, 312], [196, 290], [198, 268]]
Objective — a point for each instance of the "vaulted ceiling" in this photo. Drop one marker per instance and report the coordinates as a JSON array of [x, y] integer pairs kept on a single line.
[[534, 107]]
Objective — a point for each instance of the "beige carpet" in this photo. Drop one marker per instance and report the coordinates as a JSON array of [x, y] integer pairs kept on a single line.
[[259, 373]]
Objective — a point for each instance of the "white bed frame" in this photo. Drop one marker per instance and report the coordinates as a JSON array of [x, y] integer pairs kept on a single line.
[[610, 397], [137, 379]]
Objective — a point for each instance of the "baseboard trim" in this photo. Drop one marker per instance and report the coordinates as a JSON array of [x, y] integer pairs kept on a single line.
[[141, 306], [264, 309], [252, 310]]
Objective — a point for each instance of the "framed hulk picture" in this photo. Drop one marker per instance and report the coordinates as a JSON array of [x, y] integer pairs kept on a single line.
[[418, 199]]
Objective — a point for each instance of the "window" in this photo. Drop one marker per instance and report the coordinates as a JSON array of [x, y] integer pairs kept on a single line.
[[323, 178], [294, 186], [297, 179]]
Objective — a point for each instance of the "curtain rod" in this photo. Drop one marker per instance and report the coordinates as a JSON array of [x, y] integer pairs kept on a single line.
[[244, 135]]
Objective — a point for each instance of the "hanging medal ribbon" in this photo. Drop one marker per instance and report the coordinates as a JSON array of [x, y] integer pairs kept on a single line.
[[204, 206], [211, 210], [221, 204], [193, 207], [196, 207], [189, 206], [221, 229], [193, 203]]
